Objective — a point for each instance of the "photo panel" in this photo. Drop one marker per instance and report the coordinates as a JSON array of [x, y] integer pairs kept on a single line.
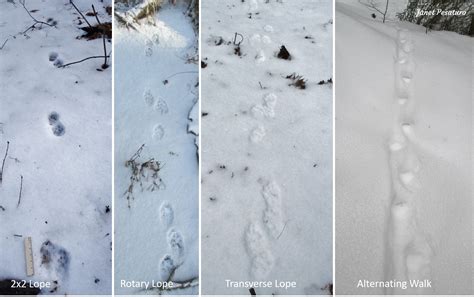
[[266, 79], [55, 144], [156, 147], [403, 148]]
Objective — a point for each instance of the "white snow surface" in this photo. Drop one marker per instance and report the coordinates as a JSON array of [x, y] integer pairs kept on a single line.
[[66, 179], [403, 155], [160, 229], [266, 146]]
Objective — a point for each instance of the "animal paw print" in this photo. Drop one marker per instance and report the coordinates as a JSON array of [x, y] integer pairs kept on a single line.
[[273, 214], [167, 267], [176, 243], [158, 132], [260, 57], [54, 57], [57, 127], [266, 39], [148, 51], [149, 98], [267, 108], [268, 28], [258, 248], [161, 106], [55, 259], [156, 38], [175, 240], [257, 134], [166, 214]]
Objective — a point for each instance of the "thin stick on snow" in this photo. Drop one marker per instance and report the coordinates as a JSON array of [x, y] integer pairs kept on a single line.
[[80, 61], [3, 163], [103, 36], [77, 9], [4, 43], [282, 230], [137, 153], [177, 285], [19, 194], [371, 4], [22, 2], [177, 73], [105, 51], [95, 14]]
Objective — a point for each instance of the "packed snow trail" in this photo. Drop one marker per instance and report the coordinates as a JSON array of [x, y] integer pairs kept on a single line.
[[409, 252]]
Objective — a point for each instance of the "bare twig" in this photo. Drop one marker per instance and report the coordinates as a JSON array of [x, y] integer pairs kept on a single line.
[[4, 43], [103, 39], [95, 14], [22, 2], [371, 4], [137, 153], [121, 19], [77, 9], [143, 173], [19, 194], [3, 162], [182, 72], [36, 22], [177, 285], [80, 61]]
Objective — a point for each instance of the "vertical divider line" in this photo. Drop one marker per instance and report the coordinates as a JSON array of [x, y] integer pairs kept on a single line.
[[112, 3], [199, 148], [334, 146]]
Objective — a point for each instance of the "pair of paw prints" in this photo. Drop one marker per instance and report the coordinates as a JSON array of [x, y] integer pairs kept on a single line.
[[260, 111], [267, 108], [149, 45], [258, 238], [160, 106], [175, 240], [54, 58], [57, 127]]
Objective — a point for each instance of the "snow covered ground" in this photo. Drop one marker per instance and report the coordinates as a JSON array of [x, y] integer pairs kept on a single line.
[[403, 155], [266, 145], [156, 76], [58, 125]]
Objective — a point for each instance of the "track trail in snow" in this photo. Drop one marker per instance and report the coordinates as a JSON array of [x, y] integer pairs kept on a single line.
[[409, 252], [262, 232]]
